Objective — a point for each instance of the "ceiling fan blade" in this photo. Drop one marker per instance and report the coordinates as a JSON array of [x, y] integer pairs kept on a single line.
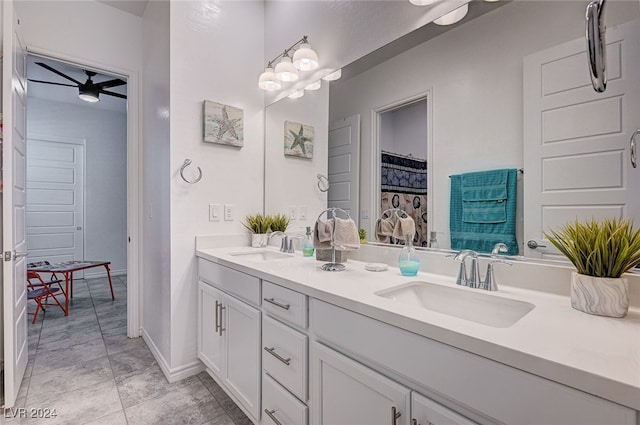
[[111, 83], [51, 82], [55, 71], [110, 93]]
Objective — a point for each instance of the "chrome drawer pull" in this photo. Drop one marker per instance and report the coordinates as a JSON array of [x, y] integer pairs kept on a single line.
[[395, 415], [270, 413], [276, 303], [272, 351]]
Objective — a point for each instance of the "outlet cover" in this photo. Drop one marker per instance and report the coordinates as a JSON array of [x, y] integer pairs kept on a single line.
[[293, 213], [364, 214], [228, 212], [302, 213], [214, 212]]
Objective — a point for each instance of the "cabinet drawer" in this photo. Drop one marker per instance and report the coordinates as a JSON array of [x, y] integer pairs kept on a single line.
[[280, 407], [236, 283], [425, 411], [285, 304], [284, 356]]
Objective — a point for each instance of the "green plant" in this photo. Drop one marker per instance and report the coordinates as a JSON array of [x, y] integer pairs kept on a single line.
[[363, 234], [601, 249], [279, 222], [257, 223]]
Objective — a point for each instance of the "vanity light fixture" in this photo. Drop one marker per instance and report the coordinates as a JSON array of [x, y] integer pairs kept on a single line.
[[296, 94], [314, 86], [333, 76], [304, 59], [422, 2], [453, 16]]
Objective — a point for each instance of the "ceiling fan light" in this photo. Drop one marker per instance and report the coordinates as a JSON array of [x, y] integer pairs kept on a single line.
[[268, 80], [285, 71], [453, 16], [422, 2], [305, 58], [89, 95]]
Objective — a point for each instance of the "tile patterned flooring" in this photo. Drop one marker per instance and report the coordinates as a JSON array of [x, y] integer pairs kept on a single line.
[[86, 368]]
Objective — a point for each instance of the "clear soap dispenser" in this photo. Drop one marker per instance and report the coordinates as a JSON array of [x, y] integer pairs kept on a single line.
[[307, 244], [408, 261]]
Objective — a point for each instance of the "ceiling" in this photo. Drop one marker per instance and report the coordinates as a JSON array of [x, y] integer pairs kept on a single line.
[[135, 7], [70, 94]]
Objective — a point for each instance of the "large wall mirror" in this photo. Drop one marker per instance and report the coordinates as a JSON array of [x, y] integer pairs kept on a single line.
[[506, 90]]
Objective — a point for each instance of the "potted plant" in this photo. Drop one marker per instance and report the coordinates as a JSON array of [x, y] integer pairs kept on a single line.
[[601, 253], [279, 222], [363, 235], [259, 226]]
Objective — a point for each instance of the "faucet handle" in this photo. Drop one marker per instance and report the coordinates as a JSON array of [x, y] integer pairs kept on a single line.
[[499, 248], [489, 283], [284, 245]]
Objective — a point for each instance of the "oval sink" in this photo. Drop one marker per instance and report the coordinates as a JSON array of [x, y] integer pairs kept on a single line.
[[260, 255], [468, 305]]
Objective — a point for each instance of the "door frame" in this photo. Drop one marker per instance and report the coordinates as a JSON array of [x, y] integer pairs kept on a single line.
[[134, 178], [376, 120], [70, 141]]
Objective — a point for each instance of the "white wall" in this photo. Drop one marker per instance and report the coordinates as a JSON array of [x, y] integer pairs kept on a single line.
[[156, 264], [105, 132], [292, 181], [216, 54], [475, 73]]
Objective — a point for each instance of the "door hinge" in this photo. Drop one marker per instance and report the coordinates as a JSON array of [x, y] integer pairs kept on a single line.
[[7, 256]]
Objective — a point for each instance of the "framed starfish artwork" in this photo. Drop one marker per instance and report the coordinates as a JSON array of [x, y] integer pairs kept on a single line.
[[298, 140], [223, 124]]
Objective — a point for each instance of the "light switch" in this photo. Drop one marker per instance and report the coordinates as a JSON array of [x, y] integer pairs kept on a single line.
[[228, 212], [302, 213], [293, 212], [365, 213], [214, 212]]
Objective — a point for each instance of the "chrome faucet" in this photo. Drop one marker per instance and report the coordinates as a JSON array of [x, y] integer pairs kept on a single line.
[[489, 283], [463, 279]]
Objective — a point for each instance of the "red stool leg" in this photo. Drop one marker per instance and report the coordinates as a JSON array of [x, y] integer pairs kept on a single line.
[[113, 297]]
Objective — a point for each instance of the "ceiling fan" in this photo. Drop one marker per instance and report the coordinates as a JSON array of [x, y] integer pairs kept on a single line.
[[88, 91]]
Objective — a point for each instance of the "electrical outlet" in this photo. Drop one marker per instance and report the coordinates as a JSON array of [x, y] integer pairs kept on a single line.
[[293, 212], [214, 212], [364, 214], [302, 213], [228, 212]]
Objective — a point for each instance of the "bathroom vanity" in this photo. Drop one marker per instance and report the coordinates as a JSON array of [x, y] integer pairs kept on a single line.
[[293, 344]]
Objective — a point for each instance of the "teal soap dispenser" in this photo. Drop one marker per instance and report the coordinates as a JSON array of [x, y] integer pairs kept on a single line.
[[408, 261], [307, 244]]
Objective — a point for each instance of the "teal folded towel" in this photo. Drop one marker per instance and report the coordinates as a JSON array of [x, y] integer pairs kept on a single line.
[[483, 210]]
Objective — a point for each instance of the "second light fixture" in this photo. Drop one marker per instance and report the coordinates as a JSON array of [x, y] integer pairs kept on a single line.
[[304, 59]]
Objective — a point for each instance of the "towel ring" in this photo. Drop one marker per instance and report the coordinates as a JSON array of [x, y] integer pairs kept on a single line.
[[186, 163], [633, 149], [324, 180]]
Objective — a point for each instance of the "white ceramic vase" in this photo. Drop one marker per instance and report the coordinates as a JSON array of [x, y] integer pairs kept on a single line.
[[259, 240], [601, 296]]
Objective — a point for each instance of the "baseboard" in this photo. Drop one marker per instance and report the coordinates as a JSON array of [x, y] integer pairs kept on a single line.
[[177, 373], [98, 274]]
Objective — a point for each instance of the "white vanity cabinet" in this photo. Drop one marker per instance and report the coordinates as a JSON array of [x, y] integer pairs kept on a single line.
[[229, 334]]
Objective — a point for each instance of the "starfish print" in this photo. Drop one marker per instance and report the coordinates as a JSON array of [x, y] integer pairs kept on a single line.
[[226, 125], [299, 140]]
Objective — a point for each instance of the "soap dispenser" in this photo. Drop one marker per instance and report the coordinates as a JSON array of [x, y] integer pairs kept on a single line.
[[408, 261], [307, 244]]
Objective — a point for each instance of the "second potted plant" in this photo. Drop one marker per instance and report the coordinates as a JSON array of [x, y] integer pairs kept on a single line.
[[601, 253]]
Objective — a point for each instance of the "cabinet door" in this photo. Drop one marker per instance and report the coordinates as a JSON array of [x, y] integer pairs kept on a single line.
[[241, 325], [427, 412], [346, 392], [210, 342]]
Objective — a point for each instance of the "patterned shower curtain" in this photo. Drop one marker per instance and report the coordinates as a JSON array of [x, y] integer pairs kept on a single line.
[[404, 185]]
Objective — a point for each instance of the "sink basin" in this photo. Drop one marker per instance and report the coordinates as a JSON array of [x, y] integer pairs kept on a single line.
[[261, 255], [468, 305]]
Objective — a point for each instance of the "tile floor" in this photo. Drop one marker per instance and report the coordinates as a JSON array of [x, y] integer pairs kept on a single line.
[[86, 368]]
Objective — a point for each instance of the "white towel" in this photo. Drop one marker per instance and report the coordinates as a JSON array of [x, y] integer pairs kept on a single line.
[[384, 229], [345, 235], [322, 234], [404, 226]]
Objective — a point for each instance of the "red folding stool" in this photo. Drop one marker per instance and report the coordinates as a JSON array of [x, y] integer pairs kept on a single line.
[[40, 291]]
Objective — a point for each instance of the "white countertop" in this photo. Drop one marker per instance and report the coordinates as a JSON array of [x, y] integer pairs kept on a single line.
[[594, 354]]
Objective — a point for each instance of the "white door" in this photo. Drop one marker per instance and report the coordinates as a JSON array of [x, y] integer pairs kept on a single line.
[[576, 141], [344, 154], [13, 205], [346, 392], [241, 324], [427, 412], [55, 201], [210, 341]]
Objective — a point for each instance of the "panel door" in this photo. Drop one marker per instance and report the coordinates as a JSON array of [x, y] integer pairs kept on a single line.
[[346, 392], [427, 412], [13, 185], [576, 141], [210, 343], [55, 201], [344, 160], [241, 325]]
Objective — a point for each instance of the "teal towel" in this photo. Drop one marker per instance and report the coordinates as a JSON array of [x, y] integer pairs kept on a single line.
[[491, 214], [484, 196]]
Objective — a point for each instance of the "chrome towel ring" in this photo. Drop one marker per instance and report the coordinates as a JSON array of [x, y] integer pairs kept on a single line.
[[633, 148], [323, 183], [186, 163], [596, 45]]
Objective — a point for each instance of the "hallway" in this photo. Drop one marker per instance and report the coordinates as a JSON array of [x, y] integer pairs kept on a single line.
[[86, 368]]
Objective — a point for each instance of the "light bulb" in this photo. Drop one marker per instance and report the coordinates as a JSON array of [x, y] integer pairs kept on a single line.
[[268, 80], [285, 71], [296, 94], [305, 58], [422, 2], [333, 76], [314, 86], [453, 16]]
